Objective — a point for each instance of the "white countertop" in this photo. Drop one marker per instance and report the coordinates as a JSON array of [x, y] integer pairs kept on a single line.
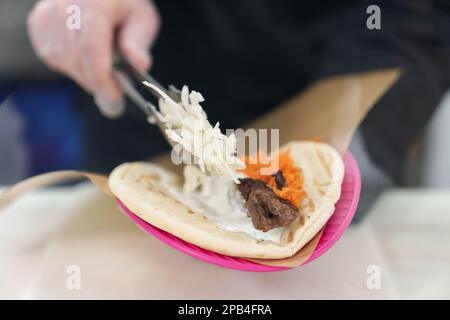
[[41, 235]]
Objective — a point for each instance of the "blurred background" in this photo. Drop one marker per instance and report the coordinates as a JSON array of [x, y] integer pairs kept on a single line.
[[39, 129], [403, 228]]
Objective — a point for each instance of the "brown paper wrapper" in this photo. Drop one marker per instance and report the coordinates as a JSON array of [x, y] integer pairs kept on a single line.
[[330, 110], [52, 178]]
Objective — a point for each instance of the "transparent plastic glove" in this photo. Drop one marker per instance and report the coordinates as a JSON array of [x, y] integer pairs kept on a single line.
[[85, 53]]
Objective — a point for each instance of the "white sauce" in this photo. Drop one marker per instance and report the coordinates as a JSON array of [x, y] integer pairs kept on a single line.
[[218, 199]]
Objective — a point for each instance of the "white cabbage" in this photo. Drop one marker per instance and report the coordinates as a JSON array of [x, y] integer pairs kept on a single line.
[[186, 124]]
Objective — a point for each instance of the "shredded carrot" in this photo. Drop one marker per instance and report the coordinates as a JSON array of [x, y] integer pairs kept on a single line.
[[293, 192]]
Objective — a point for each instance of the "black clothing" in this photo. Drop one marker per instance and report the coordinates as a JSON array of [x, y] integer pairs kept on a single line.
[[247, 56]]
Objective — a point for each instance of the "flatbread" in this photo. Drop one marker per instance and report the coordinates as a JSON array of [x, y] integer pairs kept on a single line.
[[138, 186]]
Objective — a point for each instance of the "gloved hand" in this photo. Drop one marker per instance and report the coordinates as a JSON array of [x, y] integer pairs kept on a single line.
[[86, 54]]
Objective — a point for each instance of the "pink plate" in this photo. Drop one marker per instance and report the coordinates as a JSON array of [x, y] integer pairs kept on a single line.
[[335, 227]]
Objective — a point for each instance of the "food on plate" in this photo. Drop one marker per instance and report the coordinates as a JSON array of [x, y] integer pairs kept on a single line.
[[237, 207], [264, 216]]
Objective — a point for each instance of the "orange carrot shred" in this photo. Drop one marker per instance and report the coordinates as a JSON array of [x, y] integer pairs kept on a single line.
[[293, 191]]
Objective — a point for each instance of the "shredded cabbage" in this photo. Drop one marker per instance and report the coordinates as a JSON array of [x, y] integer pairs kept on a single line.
[[187, 124]]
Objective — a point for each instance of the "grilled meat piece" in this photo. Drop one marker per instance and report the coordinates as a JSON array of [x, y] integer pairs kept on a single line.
[[266, 209], [247, 185]]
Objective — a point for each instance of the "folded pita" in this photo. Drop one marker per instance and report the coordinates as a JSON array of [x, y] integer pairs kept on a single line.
[[156, 196]]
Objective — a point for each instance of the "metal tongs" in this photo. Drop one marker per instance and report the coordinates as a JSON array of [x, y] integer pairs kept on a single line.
[[129, 78]]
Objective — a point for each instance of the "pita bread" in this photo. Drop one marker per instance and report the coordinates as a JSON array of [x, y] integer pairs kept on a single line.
[[138, 186]]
